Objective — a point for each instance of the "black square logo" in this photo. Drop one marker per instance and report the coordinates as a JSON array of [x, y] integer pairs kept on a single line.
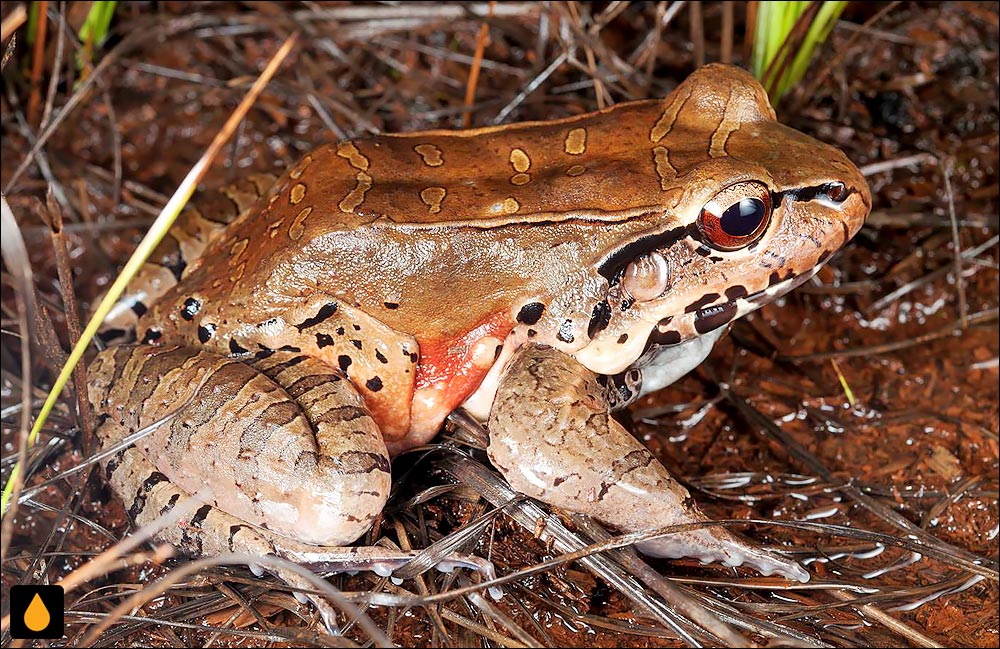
[[36, 612]]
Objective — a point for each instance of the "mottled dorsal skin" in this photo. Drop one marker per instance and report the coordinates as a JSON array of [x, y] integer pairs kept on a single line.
[[418, 263]]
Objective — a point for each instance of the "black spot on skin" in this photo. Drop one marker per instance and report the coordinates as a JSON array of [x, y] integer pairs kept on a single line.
[[357, 327], [324, 340], [715, 258], [344, 361], [531, 313], [665, 321], [414, 357], [233, 531], [151, 336], [599, 319], [267, 323], [111, 334], [566, 331], [205, 332], [736, 292], [532, 333], [139, 501], [668, 337], [714, 317], [324, 313], [381, 357], [356, 343], [340, 331], [200, 516], [627, 304], [622, 338], [701, 302], [190, 309], [176, 268], [289, 348], [374, 384], [139, 308], [170, 504], [496, 352], [264, 353], [704, 251], [235, 348], [777, 278], [113, 464], [391, 305]]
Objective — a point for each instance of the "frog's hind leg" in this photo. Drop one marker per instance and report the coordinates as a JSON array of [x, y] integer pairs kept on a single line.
[[285, 445], [553, 439], [190, 234], [209, 531], [281, 454]]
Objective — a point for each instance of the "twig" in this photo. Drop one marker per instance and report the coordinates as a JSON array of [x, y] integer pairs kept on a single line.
[[470, 89]]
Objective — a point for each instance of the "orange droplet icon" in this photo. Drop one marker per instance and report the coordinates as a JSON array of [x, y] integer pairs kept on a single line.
[[37, 616]]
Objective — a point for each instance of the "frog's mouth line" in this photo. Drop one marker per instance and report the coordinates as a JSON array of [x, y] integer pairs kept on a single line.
[[679, 329]]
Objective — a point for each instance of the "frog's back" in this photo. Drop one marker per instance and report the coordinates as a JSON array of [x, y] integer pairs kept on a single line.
[[534, 170]]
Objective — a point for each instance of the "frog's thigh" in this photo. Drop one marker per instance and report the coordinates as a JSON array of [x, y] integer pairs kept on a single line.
[[286, 445], [553, 439]]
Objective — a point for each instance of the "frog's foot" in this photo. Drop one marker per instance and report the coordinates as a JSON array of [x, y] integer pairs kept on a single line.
[[552, 438]]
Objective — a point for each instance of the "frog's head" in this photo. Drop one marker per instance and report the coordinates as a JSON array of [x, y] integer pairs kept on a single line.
[[752, 209]]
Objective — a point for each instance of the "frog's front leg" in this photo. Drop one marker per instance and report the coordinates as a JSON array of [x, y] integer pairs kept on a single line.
[[553, 439]]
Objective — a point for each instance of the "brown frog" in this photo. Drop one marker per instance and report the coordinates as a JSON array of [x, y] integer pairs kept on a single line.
[[538, 275]]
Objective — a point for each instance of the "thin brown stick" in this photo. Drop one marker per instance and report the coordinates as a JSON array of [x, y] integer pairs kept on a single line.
[[482, 40], [38, 60], [956, 243], [697, 24], [71, 309], [980, 317], [13, 22], [726, 38]]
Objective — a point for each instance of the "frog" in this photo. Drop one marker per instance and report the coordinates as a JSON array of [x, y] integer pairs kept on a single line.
[[292, 339]]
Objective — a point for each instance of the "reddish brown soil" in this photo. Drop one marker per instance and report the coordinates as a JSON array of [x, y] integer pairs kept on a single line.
[[914, 426]]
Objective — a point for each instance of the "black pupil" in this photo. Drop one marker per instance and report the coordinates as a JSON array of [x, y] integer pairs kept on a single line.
[[742, 219]]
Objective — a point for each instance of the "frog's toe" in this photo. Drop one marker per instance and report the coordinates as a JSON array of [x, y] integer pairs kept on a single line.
[[717, 545]]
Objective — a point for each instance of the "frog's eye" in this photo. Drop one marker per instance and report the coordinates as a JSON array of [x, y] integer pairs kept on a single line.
[[646, 277], [836, 191], [736, 217]]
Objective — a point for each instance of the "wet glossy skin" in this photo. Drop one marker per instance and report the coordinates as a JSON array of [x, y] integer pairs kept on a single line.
[[432, 269]]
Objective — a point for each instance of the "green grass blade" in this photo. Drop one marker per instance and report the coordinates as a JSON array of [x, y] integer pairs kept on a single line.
[[95, 26], [772, 48], [156, 233]]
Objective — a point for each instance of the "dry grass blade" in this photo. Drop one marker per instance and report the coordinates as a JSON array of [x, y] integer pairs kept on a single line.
[[15, 256], [927, 544], [269, 562], [528, 514], [13, 21], [156, 233]]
